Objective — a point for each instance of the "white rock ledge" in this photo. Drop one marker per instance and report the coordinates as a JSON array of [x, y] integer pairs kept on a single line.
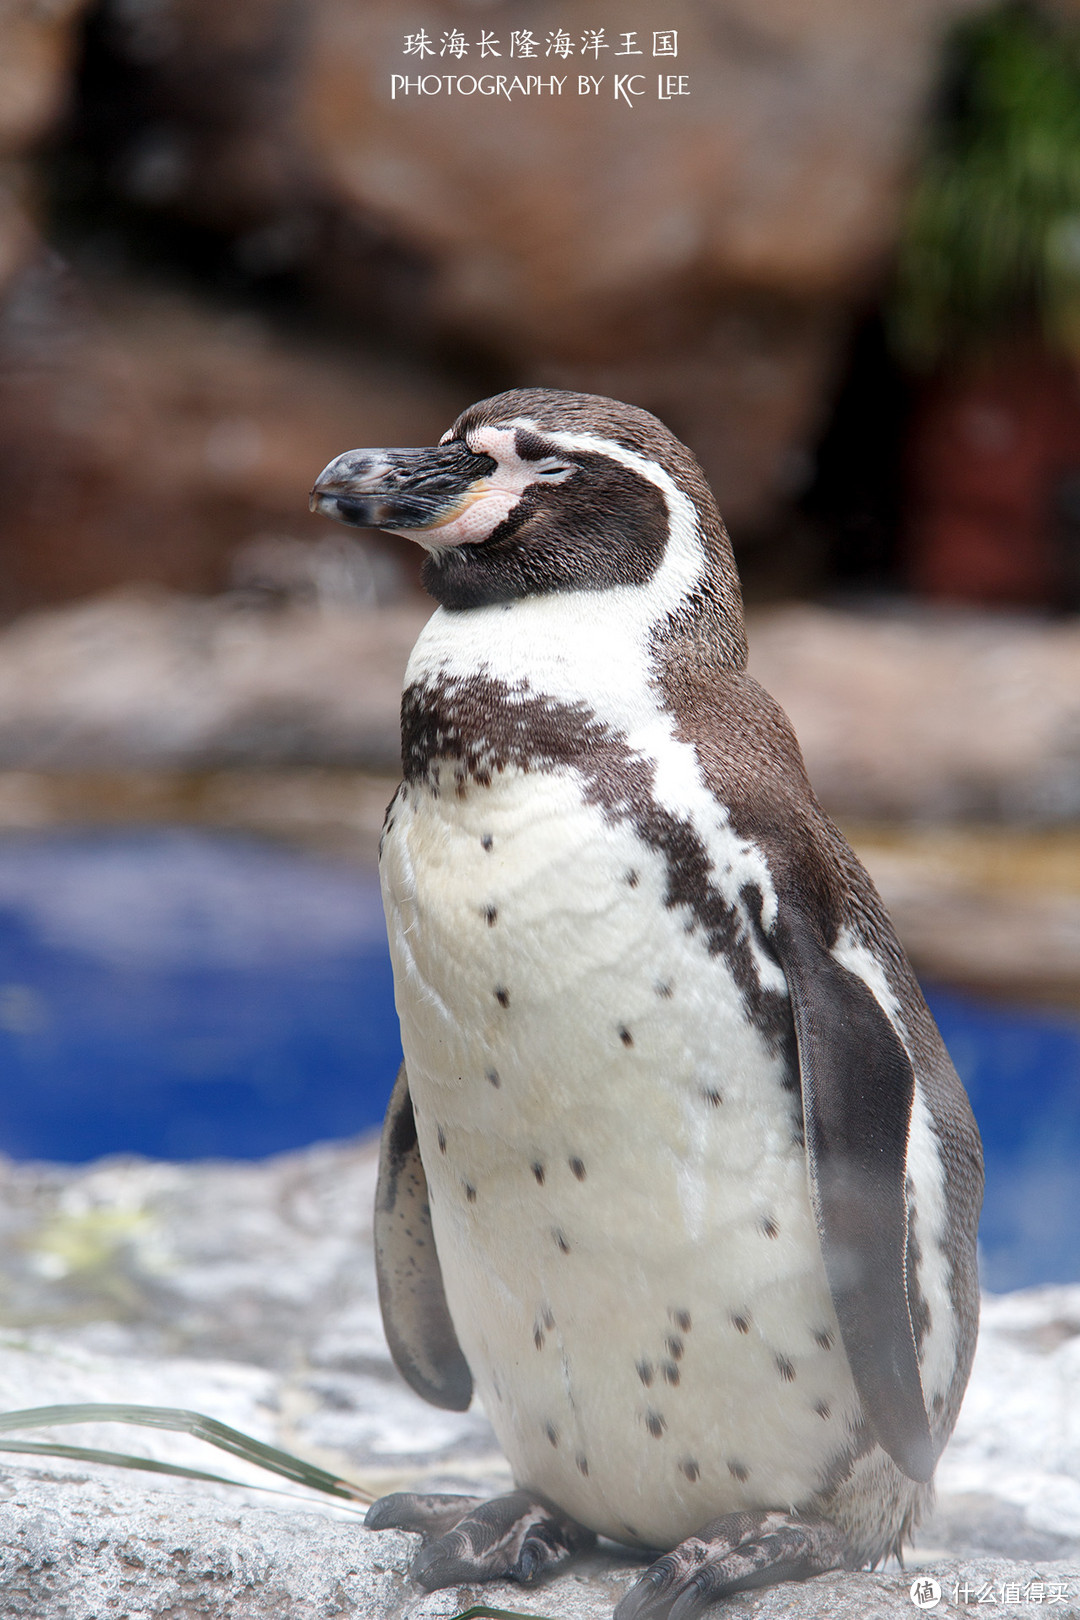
[[247, 1292]]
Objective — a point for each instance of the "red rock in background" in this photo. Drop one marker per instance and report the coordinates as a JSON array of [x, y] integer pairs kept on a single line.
[[704, 256], [145, 438], [699, 255], [992, 453], [38, 47]]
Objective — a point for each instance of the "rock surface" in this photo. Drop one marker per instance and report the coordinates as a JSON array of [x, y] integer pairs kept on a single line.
[[145, 438], [144, 679], [38, 46], [902, 717], [923, 716], [701, 254], [152, 707], [247, 1292], [697, 255]]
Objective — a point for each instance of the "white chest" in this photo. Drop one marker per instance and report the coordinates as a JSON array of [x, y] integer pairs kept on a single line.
[[617, 1184]]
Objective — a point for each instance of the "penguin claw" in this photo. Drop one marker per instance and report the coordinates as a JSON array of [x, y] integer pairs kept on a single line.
[[733, 1554], [410, 1510], [466, 1539]]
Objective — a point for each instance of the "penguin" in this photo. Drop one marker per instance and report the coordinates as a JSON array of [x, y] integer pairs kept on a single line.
[[677, 1175]]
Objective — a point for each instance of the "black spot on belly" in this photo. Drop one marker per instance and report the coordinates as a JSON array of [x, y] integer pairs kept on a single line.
[[492, 1078], [675, 1348], [665, 990], [713, 1098], [671, 1372], [632, 879], [689, 1467], [560, 1240], [538, 1336], [769, 1227], [538, 1172], [823, 1409], [470, 1192], [487, 842], [547, 1317], [655, 1423], [502, 995], [824, 1338], [682, 1320], [441, 1139], [578, 1169], [938, 1404], [582, 1463], [738, 1471], [491, 916], [625, 1036], [645, 1372], [785, 1368], [552, 1433], [741, 1322]]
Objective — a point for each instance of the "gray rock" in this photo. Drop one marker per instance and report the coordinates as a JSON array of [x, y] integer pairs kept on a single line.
[[929, 716], [247, 1291], [83, 1551]]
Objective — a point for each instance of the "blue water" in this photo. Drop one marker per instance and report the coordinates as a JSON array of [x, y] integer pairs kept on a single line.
[[185, 994], [1021, 1068]]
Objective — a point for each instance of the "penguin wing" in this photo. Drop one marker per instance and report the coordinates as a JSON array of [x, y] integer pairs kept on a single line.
[[415, 1315], [858, 1087]]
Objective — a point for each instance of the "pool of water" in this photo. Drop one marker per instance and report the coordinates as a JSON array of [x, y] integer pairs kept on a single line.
[[185, 994]]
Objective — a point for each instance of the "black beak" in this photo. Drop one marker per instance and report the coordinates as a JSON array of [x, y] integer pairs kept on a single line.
[[399, 489]]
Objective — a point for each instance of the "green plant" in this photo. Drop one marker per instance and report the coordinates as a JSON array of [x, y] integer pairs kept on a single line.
[[183, 1422], [991, 240], [215, 1434]]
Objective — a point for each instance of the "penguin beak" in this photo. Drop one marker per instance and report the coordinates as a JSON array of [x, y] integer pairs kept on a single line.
[[401, 489]]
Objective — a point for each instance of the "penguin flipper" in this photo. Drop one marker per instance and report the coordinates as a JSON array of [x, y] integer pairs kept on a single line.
[[415, 1315], [858, 1088]]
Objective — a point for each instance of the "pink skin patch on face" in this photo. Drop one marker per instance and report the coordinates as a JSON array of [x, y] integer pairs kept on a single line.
[[489, 500]]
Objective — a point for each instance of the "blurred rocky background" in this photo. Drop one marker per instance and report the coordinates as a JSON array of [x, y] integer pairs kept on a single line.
[[845, 268]]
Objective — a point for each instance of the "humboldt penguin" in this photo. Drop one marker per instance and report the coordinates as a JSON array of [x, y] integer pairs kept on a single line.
[[677, 1173]]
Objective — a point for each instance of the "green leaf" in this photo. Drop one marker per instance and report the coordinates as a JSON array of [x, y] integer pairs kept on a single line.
[[984, 249], [480, 1611], [183, 1422]]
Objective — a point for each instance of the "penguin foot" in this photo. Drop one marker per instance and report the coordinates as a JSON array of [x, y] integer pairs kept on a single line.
[[516, 1537], [733, 1554]]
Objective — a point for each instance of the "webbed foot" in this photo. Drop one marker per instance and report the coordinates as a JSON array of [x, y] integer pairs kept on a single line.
[[517, 1537], [733, 1554]]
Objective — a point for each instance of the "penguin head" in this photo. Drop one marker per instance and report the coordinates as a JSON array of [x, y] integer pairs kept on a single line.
[[538, 491]]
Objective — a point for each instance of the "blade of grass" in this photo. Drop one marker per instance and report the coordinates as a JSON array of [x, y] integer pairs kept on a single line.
[[480, 1611], [182, 1421], [149, 1465]]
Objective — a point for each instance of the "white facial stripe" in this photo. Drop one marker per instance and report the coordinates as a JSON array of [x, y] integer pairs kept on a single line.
[[490, 499], [683, 555]]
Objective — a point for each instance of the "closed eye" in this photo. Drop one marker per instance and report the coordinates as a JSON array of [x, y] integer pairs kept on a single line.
[[554, 470]]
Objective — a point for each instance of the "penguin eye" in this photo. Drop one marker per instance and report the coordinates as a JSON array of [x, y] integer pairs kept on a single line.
[[553, 471]]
